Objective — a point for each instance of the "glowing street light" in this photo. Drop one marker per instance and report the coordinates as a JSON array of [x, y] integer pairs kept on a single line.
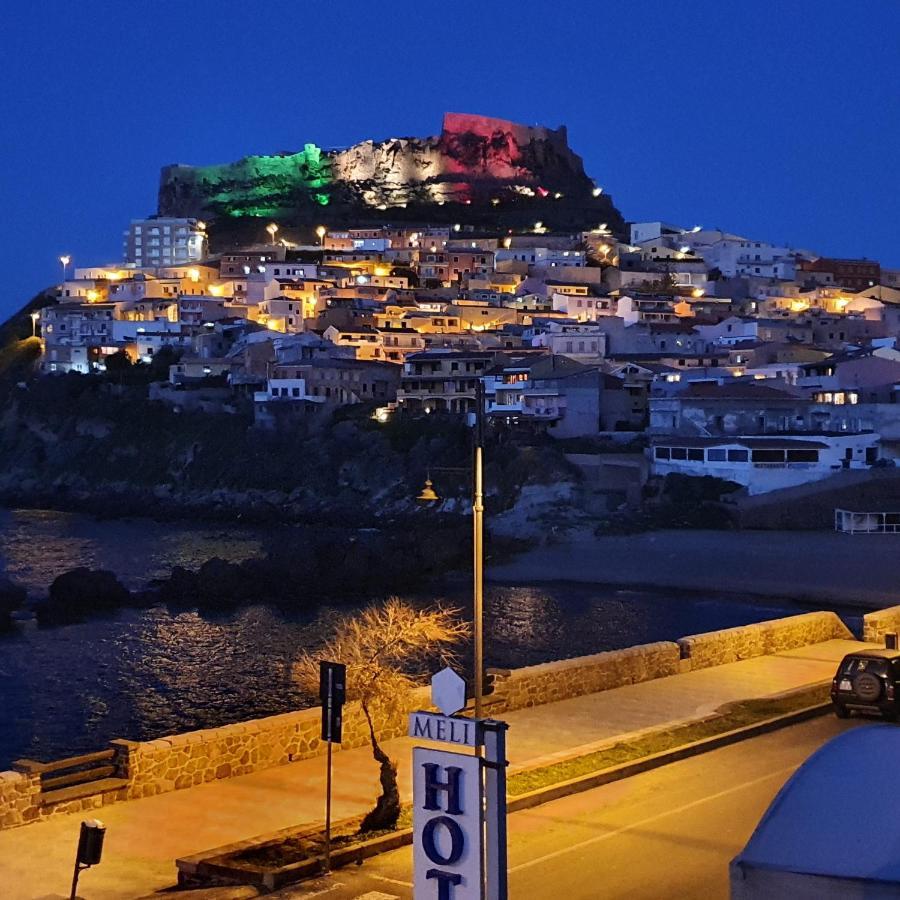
[[34, 320], [321, 231], [272, 228], [65, 260]]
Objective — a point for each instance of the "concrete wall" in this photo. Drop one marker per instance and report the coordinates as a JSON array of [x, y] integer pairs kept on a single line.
[[879, 623], [717, 648]]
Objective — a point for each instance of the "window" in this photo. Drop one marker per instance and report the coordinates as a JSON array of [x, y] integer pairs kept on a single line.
[[663, 453], [716, 455], [737, 456], [802, 455], [768, 456], [695, 454], [679, 453]]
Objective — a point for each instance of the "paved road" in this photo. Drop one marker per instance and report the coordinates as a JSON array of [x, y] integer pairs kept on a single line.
[[669, 833]]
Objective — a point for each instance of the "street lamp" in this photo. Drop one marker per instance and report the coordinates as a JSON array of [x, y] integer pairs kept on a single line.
[[272, 228], [34, 320], [321, 231], [428, 494], [65, 260]]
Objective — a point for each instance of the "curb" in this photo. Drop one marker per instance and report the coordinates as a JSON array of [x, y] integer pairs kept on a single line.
[[312, 867], [656, 760]]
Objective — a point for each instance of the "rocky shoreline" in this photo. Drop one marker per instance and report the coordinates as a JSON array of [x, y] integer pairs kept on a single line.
[[307, 568]]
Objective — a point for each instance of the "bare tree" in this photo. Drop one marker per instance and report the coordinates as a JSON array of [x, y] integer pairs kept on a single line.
[[385, 649]]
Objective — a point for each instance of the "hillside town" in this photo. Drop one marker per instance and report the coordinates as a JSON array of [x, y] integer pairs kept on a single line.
[[764, 365]]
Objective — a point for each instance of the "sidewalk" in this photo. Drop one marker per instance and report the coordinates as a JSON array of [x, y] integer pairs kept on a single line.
[[144, 837]]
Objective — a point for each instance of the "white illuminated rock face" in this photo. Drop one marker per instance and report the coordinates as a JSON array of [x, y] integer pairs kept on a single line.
[[448, 691]]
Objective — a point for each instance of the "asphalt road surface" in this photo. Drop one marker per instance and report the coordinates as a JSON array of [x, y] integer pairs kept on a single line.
[[669, 833]]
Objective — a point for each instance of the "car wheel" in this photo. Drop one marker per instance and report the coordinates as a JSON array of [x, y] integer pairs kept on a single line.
[[841, 711], [867, 687]]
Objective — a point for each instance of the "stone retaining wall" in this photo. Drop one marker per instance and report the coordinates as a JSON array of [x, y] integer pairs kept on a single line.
[[18, 803], [732, 644], [185, 760], [879, 623], [547, 683]]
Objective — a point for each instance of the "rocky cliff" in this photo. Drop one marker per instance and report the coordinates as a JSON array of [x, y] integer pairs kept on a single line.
[[477, 169]]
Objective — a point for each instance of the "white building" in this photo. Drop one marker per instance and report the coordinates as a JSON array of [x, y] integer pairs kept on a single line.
[[542, 257], [766, 462], [160, 241], [583, 342], [648, 231]]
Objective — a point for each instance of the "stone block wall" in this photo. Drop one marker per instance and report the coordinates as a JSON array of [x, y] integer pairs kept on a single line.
[[185, 760], [732, 644], [879, 623], [18, 798], [534, 685]]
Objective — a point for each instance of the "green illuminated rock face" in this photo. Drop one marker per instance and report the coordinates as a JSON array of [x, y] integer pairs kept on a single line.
[[478, 169], [270, 186]]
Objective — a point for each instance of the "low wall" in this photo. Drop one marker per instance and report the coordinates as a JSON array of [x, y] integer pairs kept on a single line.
[[549, 682], [146, 768], [879, 623], [186, 760], [18, 799], [732, 644]]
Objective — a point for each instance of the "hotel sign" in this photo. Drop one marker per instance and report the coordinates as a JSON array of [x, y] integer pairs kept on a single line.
[[459, 800], [448, 832], [447, 729]]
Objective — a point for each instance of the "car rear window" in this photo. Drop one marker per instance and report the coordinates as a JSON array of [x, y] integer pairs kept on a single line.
[[856, 664]]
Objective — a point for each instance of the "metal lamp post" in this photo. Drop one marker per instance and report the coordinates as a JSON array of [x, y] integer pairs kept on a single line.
[[478, 546], [428, 495], [65, 260]]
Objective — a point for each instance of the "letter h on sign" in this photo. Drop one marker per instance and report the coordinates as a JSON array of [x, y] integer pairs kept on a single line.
[[447, 834]]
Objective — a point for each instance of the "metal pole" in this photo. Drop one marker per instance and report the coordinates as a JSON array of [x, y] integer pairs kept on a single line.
[[478, 549], [328, 781], [74, 893], [493, 736]]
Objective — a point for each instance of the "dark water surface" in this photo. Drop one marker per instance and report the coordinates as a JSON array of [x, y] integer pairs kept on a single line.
[[146, 673]]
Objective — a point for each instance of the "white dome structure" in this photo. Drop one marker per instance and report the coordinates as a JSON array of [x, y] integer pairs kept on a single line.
[[834, 828]]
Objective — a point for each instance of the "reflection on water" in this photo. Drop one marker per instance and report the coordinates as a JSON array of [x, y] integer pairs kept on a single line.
[[38, 545], [147, 673]]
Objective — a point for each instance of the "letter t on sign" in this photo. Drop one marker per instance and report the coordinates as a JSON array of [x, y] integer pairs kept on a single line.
[[446, 882]]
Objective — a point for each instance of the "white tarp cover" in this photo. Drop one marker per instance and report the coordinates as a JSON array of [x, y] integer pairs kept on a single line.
[[839, 814]]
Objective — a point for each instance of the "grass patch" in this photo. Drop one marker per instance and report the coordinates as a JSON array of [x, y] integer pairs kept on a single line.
[[734, 715]]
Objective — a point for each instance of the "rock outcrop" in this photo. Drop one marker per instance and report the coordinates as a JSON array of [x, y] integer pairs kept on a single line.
[[477, 165]]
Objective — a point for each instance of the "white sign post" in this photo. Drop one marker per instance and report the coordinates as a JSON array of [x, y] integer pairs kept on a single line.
[[447, 825], [459, 801]]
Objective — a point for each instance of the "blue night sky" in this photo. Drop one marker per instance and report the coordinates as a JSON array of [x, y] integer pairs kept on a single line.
[[777, 120]]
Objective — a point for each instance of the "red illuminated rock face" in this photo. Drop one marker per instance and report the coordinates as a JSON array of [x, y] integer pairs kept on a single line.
[[475, 159], [496, 148]]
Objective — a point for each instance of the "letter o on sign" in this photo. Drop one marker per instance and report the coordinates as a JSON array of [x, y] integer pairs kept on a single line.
[[457, 841]]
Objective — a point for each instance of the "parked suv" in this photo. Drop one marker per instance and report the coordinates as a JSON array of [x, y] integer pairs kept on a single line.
[[868, 682]]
